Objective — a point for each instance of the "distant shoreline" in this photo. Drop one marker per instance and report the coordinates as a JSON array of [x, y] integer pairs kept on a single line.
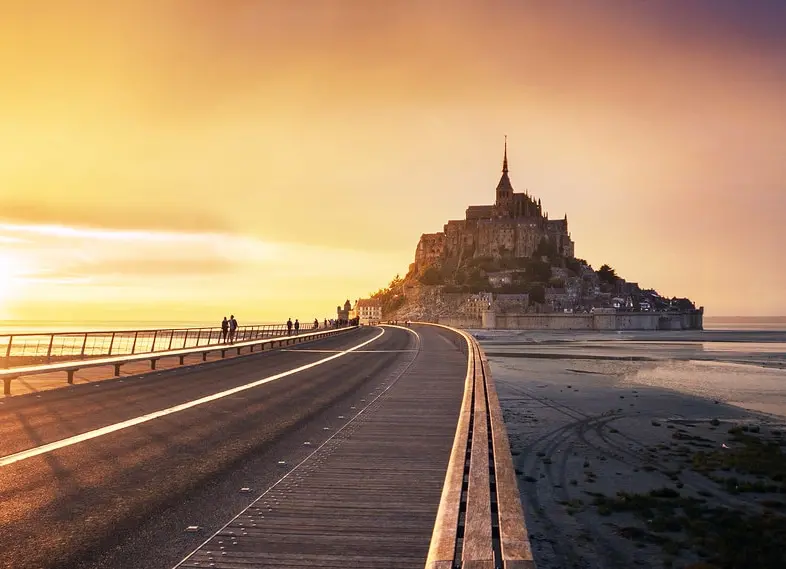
[[16, 326], [65, 326]]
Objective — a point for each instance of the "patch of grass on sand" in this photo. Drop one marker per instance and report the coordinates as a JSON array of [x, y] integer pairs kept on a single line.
[[724, 538], [748, 455]]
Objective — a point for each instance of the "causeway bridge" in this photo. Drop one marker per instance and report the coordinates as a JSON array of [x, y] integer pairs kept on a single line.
[[374, 446]]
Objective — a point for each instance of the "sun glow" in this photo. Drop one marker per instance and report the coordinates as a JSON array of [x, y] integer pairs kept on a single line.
[[65, 272]]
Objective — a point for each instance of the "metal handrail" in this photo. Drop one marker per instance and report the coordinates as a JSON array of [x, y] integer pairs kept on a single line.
[[82, 345], [70, 367]]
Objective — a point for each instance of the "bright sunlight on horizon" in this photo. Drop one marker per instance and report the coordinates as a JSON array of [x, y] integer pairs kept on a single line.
[[182, 159]]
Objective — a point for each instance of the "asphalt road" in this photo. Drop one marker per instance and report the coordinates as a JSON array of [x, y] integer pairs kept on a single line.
[[124, 499]]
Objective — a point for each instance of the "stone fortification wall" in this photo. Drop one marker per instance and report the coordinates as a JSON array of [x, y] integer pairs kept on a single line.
[[466, 322], [600, 321], [542, 321]]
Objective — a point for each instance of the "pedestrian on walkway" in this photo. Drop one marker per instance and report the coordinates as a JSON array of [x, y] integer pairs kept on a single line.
[[224, 330], [297, 326], [232, 328], [289, 327]]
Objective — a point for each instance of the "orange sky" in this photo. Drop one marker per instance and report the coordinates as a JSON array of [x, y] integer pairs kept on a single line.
[[272, 160]]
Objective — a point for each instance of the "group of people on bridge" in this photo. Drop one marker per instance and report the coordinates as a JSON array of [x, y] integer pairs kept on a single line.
[[228, 329], [229, 326], [332, 323]]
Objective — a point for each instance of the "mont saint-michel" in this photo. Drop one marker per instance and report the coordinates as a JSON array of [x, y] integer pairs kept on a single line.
[[509, 265]]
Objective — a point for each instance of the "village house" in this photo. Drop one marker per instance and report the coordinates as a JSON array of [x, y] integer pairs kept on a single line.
[[369, 310]]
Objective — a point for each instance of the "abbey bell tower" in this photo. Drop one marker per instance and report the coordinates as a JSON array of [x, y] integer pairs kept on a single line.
[[504, 202]]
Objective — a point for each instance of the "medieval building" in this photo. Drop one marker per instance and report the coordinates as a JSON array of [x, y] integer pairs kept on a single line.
[[512, 227]]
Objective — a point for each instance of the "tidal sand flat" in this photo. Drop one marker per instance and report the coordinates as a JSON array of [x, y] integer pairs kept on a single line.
[[647, 451]]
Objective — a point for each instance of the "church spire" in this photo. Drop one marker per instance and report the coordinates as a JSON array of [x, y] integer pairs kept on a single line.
[[505, 159]]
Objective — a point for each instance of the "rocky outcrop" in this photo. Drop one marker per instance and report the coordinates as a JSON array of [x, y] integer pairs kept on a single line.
[[430, 303]]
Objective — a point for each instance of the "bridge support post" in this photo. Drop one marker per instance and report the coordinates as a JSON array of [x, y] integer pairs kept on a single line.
[[117, 369], [153, 363], [223, 353], [204, 356], [70, 373], [182, 360], [238, 351], [6, 386]]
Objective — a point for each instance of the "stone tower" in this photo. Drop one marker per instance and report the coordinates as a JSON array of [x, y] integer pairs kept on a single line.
[[504, 202]]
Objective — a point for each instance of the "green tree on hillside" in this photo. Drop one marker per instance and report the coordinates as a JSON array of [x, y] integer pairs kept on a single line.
[[607, 275], [488, 264], [537, 294], [574, 265], [431, 276], [391, 297], [538, 271], [546, 248]]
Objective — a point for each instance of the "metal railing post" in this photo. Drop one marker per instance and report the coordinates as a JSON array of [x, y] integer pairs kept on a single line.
[[153, 345], [133, 346], [199, 337], [171, 337], [8, 348], [49, 350], [185, 339], [111, 343], [84, 345]]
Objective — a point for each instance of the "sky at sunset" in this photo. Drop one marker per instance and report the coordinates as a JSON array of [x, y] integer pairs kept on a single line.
[[182, 159]]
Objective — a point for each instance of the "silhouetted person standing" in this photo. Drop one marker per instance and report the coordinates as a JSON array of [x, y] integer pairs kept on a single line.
[[224, 329], [232, 328], [297, 325], [289, 327]]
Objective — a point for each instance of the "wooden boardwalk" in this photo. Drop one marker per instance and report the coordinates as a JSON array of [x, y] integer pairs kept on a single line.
[[369, 496]]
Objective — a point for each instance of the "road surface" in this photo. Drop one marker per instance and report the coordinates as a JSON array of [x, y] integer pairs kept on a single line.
[[118, 487]]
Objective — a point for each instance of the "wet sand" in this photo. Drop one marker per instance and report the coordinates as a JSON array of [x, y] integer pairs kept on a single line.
[[622, 447]]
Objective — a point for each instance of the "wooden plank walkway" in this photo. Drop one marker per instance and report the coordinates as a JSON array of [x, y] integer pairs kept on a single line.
[[369, 496]]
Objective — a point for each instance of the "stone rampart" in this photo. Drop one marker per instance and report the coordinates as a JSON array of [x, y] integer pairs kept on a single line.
[[465, 322], [692, 320]]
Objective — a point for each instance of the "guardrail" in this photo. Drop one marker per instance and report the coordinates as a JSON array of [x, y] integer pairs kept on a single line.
[[480, 521], [80, 345], [70, 367]]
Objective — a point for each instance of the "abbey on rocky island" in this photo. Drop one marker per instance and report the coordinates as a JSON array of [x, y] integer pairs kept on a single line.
[[512, 227]]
